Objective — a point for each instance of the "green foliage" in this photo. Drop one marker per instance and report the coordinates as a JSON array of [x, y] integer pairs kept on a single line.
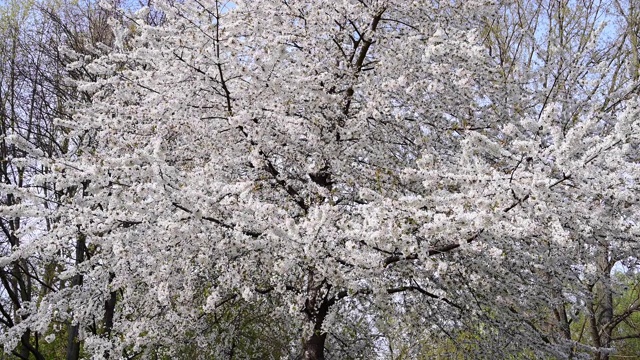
[[464, 345], [245, 330], [57, 348], [628, 331], [15, 11]]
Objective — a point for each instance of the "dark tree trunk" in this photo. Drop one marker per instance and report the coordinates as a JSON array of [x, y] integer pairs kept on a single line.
[[314, 347], [109, 311], [602, 305], [73, 343], [28, 348]]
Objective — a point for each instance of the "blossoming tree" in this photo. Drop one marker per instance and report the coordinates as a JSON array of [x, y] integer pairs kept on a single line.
[[406, 160]]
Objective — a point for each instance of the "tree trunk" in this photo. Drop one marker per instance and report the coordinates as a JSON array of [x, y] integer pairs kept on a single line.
[[605, 292], [73, 344], [25, 339], [602, 309], [109, 311], [314, 347]]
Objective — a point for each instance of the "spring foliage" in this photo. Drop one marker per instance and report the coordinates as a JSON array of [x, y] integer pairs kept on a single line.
[[417, 167]]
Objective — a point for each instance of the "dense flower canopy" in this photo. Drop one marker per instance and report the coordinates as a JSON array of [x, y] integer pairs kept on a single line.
[[388, 162]]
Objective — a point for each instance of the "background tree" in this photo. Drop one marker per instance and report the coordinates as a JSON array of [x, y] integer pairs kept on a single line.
[[372, 171], [34, 94], [583, 57], [28, 102]]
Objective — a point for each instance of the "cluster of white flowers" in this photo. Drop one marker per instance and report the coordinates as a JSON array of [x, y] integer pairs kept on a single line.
[[331, 155]]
